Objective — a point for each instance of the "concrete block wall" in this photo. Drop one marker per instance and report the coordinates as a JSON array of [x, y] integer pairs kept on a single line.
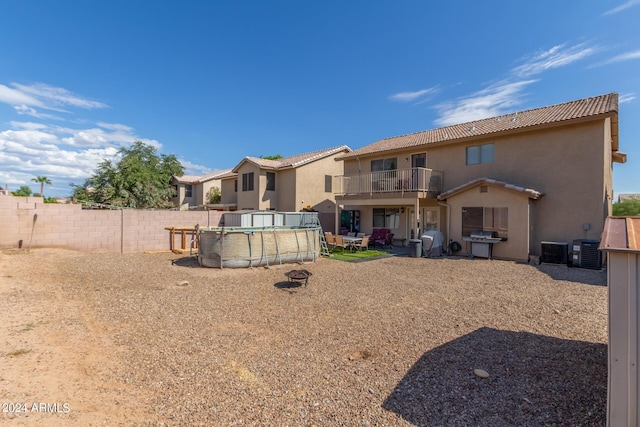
[[29, 222]]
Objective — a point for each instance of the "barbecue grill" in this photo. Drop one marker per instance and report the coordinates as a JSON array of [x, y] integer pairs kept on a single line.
[[482, 243]]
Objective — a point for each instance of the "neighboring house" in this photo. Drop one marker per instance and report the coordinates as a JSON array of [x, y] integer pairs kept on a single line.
[[537, 175], [631, 196], [289, 184], [193, 190]]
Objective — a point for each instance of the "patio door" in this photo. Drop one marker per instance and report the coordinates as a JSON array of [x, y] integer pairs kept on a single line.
[[417, 161]]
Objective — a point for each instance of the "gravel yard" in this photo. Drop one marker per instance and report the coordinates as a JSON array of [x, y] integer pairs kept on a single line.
[[390, 342]]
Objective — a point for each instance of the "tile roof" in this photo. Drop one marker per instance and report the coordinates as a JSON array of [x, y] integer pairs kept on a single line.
[[520, 121], [292, 161], [533, 194], [193, 179], [229, 174], [621, 234]]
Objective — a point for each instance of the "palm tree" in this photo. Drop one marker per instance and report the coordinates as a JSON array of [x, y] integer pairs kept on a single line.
[[42, 180]]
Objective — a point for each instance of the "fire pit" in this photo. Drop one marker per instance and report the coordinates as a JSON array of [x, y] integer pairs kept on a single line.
[[299, 276]]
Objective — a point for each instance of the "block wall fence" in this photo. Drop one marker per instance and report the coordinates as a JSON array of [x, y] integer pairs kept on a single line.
[[29, 222]]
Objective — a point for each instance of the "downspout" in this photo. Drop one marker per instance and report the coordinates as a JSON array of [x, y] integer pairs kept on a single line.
[[448, 207], [359, 173], [416, 224]]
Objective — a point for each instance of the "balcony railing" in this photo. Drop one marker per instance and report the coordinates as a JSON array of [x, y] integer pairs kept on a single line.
[[392, 181]]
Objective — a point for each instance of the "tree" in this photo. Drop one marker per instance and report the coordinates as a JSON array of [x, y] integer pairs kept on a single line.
[[23, 191], [140, 179], [214, 195], [627, 207], [42, 180], [274, 157]]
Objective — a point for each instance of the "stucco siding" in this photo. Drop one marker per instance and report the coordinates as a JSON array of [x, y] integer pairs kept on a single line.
[[286, 189], [249, 199], [268, 199], [227, 188], [570, 165], [310, 184], [517, 244]]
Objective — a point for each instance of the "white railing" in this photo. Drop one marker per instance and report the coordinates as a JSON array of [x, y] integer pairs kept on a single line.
[[399, 180]]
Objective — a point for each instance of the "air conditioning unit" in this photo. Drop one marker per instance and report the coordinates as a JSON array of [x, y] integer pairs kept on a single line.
[[555, 252], [586, 254]]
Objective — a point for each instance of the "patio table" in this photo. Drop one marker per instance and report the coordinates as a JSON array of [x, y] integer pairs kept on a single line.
[[352, 242]]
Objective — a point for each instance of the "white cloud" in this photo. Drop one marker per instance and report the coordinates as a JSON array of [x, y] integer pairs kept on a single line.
[[622, 7], [27, 138], [626, 98], [493, 101], [28, 125], [412, 96], [115, 126], [500, 98], [17, 97], [61, 153], [30, 111], [27, 99], [56, 96], [628, 56], [87, 138], [194, 169], [557, 56]]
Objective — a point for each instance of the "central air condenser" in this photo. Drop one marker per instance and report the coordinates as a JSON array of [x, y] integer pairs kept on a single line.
[[555, 252], [586, 254]]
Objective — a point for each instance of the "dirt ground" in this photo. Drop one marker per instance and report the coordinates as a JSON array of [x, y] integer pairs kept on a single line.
[[57, 361], [111, 340]]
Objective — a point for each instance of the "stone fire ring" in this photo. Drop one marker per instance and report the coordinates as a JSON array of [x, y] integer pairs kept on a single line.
[[299, 276]]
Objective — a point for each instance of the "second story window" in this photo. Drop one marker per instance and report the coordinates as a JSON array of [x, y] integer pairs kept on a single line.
[[247, 181], [384, 164], [188, 190], [328, 181], [477, 154], [235, 185], [271, 181]]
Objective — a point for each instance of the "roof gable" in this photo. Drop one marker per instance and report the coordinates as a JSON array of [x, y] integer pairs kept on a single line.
[[292, 161], [193, 179], [532, 194], [588, 108]]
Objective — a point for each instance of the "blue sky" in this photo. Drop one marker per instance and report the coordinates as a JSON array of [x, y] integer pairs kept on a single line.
[[215, 81]]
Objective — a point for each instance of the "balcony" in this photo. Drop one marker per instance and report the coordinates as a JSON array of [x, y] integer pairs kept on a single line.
[[414, 180]]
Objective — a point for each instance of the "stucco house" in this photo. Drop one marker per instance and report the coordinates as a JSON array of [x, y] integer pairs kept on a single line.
[[289, 184], [538, 175], [193, 190]]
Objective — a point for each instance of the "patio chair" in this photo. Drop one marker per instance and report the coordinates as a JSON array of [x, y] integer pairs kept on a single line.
[[363, 245], [331, 239], [379, 237], [351, 234], [389, 240], [339, 243], [360, 235]]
